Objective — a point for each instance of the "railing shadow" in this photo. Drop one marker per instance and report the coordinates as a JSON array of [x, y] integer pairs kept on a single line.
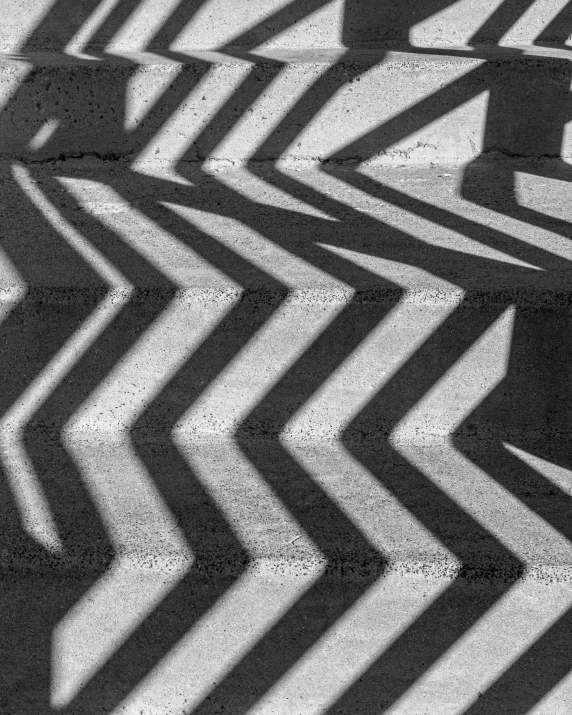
[[531, 404]]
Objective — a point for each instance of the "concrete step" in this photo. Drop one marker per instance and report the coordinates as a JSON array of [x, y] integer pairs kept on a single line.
[[285, 308], [295, 107], [258, 420], [306, 580]]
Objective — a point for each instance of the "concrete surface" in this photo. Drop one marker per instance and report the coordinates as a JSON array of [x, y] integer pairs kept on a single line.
[[296, 107], [211, 24], [285, 383], [285, 441]]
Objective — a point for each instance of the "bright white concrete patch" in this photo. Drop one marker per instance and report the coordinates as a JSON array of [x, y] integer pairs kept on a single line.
[[19, 20], [319, 29]]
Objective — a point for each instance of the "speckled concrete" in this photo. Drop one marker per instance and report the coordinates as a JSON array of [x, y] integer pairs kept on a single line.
[[285, 375]]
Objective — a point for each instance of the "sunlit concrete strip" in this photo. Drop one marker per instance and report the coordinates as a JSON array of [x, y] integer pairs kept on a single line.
[[141, 25], [278, 577], [530, 23], [281, 93], [441, 189], [141, 94], [12, 73], [453, 26], [521, 615], [19, 20], [216, 22], [255, 189], [423, 229], [315, 299], [388, 92], [557, 702], [43, 135], [178, 132], [143, 532], [275, 581], [78, 42], [352, 645], [35, 511]]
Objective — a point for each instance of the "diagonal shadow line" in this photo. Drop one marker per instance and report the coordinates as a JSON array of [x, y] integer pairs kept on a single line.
[[540, 399], [228, 115], [524, 684], [47, 423], [453, 612], [174, 96], [274, 24], [558, 29], [549, 659], [412, 119], [353, 564], [220, 558], [64, 19], [34, 332], [486, 235], [180, 18], [115, 20], [500, 21]]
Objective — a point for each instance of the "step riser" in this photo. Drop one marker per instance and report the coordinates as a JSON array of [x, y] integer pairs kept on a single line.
[[353, 111]]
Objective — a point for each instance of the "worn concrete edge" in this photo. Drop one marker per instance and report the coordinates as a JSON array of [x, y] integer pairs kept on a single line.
[[381, 58]]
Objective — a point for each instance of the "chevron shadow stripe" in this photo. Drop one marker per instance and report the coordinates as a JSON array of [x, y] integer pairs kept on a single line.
[[150, 307]]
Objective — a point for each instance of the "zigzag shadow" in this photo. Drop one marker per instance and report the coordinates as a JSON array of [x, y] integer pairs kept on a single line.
[[272, 657]]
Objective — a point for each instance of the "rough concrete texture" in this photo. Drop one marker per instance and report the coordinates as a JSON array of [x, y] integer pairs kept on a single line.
[[169, 24], [301, 108], [255, 421], [285, 383]]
